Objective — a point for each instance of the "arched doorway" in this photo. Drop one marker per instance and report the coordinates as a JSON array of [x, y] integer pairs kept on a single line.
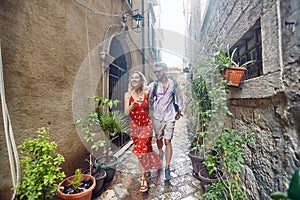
[[117, 70]]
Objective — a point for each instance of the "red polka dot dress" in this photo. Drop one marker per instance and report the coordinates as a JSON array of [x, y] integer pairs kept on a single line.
[[141, 133]]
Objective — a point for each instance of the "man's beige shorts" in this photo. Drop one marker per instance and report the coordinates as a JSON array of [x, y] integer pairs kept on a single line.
[[163, 129]]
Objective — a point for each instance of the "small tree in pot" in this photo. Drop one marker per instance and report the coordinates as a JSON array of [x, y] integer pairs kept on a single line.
[[41, 167], [201, 109], [100, 128]]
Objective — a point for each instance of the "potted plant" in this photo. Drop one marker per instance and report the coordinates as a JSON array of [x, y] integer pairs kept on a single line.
[[78, 186], [201, 108], [99, 175], [233, 72], [230, 145], [101, 127], [208, 91], [41, 167], [214, 134]]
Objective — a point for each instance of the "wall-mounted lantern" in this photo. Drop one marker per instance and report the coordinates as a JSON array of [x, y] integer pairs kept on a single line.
[[136, 19], [187, 68]]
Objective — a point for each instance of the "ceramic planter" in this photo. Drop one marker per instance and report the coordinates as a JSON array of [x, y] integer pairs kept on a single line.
[[234, 75], [85, 195], [197, 163], [99, 175], [207, 179], [109, 164]]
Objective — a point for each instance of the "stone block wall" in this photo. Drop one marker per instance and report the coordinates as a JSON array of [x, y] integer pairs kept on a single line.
[[269, 104]]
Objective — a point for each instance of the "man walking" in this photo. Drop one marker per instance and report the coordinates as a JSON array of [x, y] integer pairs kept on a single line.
[[167, 106]]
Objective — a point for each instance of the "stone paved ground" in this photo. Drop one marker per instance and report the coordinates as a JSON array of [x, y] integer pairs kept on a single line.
[[126, 183]]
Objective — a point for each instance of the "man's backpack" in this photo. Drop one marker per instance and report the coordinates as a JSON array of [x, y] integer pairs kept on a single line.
[[154, 93]]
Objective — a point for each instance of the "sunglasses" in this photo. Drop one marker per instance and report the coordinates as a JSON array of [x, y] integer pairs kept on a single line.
[[158, 71]]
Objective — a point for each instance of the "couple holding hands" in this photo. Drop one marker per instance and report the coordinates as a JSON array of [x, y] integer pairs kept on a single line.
[[163, 93]]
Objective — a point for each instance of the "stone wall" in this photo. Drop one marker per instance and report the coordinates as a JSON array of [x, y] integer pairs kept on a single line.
[[291, 57], [269, 104], [44, 45]]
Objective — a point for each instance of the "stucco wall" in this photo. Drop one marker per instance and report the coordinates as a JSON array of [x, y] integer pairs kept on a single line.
[[264, 104], [44, 44]]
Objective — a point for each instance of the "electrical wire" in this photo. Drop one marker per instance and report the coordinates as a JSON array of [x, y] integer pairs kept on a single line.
[[108, 14], [98, 12]]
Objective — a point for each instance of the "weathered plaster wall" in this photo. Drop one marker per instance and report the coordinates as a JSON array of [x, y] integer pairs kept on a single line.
[[265, 104], [43, 46]]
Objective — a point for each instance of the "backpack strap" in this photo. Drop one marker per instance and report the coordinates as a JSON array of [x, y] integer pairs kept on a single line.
[[175, 84], [154, 93], [173, 93]]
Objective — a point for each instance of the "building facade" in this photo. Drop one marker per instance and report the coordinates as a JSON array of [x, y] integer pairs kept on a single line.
[[56, 54], [268, 101]]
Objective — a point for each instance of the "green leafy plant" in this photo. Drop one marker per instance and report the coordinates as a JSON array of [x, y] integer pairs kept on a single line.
[[210, 94], [76, 183], [202, 109], [230, 144], [224, 189], [222, 59], [293, 191], [110, 123], [41, 167], [211, 162]]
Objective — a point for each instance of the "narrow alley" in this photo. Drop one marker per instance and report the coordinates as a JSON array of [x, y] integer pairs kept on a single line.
[[183, 185], [72, 72]]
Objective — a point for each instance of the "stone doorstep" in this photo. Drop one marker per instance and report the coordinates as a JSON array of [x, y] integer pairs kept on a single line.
[[123, 149]]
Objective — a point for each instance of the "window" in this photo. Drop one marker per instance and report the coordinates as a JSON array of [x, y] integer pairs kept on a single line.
[[151, 32], [249, 48]]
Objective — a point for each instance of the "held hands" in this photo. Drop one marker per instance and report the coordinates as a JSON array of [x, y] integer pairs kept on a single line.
[[139, 101], [178, 114]]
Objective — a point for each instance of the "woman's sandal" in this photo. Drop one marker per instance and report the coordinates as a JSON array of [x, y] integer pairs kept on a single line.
[[147, 174], [144, 185]]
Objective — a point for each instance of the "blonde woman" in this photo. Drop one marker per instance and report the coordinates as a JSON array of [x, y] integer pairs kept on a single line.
[[136, 105]]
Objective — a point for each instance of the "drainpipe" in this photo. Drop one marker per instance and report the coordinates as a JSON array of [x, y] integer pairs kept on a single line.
[[143, 38]]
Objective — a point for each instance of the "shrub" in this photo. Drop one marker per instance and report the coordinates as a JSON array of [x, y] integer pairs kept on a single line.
[[41, 167]]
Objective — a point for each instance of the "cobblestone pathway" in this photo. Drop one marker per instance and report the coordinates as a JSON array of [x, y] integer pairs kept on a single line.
[[183, 185]]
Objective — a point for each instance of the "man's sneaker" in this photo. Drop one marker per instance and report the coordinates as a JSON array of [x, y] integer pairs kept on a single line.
[[167, 174]]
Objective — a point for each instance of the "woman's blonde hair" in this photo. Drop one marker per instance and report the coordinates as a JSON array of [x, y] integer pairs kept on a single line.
[[143, 81]]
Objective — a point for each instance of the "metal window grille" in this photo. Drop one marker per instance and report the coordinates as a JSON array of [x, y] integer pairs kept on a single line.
[[250, 48]]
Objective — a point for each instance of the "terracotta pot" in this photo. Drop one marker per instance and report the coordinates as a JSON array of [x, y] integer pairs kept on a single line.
[[234, 75], [85, 195]]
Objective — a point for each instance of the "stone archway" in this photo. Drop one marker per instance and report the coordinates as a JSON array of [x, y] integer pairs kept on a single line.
[[117, 69]]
